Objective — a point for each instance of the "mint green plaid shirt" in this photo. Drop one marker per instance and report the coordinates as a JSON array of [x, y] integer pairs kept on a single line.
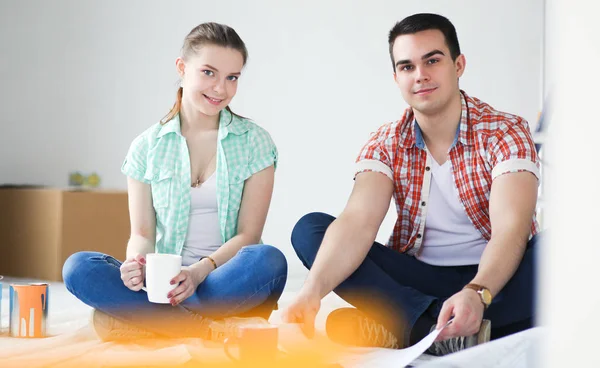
[[160, 157]]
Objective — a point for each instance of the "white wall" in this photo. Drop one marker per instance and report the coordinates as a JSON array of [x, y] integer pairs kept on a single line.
[[569, 294], [81, 79]]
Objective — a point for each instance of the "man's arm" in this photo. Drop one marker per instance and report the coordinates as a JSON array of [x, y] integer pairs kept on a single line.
[[350, 237], [345, 245], [512, 205]]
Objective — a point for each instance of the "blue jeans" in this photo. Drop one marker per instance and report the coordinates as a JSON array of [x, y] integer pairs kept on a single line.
[[250, 284], [402, 288]]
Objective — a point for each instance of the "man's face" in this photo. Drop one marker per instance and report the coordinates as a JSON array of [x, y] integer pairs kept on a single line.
[[425, 72]]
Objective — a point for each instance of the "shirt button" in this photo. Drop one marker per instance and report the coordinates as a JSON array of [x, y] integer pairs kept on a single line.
[[427, 168], [418, 236], [423, 203]]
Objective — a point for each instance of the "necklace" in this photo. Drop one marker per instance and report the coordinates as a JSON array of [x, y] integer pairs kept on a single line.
[[198, 182]]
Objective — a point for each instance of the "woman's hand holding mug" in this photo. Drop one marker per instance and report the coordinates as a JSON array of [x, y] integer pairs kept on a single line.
[[188, 281], [132, 272]]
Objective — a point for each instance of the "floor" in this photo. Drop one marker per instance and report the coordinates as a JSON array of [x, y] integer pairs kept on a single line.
[[72, 343]]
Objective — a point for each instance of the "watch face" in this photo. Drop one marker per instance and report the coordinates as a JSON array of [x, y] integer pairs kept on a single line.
[[486, 296]]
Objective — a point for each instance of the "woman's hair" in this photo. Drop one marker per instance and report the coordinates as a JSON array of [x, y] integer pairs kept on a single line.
[[202, 35]]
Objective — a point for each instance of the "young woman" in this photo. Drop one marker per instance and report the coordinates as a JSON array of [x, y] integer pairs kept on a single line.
[[199, 184]]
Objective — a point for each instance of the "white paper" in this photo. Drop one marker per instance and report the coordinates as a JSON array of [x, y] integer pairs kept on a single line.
[[515, 351], [397, 358]]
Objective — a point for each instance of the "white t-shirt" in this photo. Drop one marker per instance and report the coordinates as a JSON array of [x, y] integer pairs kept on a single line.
[[204, 233], [450, 238]]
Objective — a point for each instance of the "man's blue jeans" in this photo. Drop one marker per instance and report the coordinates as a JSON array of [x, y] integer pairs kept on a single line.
[[250, 284], [402, 288]]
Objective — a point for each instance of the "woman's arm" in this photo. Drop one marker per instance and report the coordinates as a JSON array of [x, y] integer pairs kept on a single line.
[[141, 240], [256, 198], [142, 219]]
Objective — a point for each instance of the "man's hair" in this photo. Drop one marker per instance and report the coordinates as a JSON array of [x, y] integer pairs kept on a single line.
[[423, 22]]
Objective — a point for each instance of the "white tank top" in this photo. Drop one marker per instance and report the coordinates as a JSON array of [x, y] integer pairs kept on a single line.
[[204, 231], [450, 238]]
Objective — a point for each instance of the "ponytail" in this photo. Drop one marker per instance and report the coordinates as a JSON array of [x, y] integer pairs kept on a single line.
[[175, 109]]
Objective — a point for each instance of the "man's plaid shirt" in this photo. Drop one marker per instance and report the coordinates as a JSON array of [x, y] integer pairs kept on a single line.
[[488, 143]]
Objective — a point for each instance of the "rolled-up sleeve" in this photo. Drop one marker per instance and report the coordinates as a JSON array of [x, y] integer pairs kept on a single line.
[[514, 151], [374, 156], [134, 164], [263, 152]]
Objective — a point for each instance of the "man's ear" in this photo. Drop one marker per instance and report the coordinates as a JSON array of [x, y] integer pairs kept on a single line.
[[395, 76], [460, 64]]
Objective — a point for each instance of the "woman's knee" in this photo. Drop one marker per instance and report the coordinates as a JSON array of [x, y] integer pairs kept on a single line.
[[75, 265], [270, 258]]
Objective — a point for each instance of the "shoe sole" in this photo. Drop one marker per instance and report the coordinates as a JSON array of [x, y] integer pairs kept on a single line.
[[108, 330], [340, 332]]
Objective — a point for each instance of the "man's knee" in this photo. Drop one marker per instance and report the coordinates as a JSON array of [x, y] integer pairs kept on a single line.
[[308, 234]]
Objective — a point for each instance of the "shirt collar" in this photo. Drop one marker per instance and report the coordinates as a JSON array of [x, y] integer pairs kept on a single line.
[[464, 128], [414, 135], [171, 126], [231, 123], [228, 123], [420, 142]]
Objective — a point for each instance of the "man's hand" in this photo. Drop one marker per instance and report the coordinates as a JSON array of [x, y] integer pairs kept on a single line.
[[467, 309], [303, 310]]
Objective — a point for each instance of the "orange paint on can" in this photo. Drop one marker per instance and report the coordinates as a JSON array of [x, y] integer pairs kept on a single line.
[[28, 310]]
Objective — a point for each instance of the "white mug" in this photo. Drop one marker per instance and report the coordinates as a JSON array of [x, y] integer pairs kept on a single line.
[[160, 270]]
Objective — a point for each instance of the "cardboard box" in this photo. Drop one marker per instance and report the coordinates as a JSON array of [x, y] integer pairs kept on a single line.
[[41, 228]]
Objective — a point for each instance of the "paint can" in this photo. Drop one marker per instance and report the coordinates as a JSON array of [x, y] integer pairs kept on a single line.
[[28, 310], [1, 277]]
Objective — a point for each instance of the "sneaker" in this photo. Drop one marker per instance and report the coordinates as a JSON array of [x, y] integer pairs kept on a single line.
[[349, 326], [454, 344], [221, 329], [108, 328]]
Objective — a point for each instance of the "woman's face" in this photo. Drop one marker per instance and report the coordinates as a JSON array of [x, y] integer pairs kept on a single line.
[[210, 78]]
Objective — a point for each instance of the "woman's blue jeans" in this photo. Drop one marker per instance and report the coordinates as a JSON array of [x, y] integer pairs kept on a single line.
[[250, 284]]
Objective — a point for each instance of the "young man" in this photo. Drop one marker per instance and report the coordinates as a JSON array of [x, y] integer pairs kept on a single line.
[[464, 178]]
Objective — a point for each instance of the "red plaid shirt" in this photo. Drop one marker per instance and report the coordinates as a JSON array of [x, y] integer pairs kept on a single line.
[[488, 143]]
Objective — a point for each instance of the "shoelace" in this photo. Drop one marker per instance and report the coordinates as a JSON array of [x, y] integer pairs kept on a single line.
[[377, 334], [202, 324]]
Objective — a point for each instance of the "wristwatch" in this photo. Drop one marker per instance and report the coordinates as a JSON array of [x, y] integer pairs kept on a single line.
[[484, 293]]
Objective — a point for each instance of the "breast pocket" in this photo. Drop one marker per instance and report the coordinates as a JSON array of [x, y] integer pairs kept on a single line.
[[237, 178], [161, 186]]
